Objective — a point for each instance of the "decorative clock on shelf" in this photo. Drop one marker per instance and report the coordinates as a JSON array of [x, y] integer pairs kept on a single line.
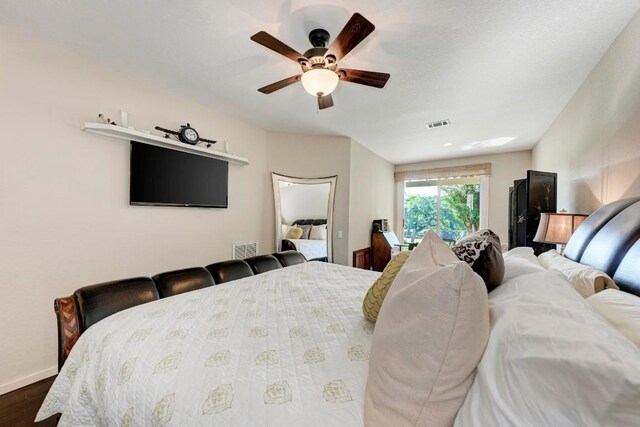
[[186, 134]]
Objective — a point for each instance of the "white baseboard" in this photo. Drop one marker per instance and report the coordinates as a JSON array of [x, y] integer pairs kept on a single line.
[[29, 379]]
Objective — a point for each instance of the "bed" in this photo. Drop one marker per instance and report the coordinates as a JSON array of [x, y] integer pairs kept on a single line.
[[287, 347], [310, 248]]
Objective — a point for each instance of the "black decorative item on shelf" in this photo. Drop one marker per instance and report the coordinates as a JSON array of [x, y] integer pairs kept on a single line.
[[528, 198], [106, 120], [186, 134]]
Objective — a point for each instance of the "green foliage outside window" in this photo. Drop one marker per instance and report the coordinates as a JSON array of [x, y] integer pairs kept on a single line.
[[459, 197], [457, 217]]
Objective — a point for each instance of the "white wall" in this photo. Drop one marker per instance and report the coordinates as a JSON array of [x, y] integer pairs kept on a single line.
[[65, 219], [371, 195], [594, 144], [304, 201], [309, 156], [506, 168]]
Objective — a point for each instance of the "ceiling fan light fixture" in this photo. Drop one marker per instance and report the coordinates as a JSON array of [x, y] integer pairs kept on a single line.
[[320, 81], [320, 72]]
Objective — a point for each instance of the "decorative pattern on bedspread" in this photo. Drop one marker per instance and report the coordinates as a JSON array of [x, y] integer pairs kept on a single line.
[[287, 347], [311, 249]]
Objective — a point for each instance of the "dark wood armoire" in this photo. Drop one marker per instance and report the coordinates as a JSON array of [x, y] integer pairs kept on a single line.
[[528, 198]]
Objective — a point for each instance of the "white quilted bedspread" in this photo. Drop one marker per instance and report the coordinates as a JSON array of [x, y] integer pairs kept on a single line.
[[311, 249], [285, 348]]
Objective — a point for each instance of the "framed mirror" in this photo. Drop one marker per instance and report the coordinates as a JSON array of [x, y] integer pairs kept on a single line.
[[304, 215]]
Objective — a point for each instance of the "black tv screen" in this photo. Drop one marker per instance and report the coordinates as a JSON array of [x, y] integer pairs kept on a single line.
[[165, 177]]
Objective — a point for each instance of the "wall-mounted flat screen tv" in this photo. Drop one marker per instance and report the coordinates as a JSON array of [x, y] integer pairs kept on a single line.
[[165, 177]]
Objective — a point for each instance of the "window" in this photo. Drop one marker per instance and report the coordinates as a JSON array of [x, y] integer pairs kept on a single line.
[[452, 201], [449, 206]]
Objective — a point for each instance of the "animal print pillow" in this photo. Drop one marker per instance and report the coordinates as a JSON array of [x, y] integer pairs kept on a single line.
[[483, 252], [306, 230]]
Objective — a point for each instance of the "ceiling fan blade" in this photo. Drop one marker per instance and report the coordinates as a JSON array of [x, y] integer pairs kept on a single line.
[[270, 42], [325, 102], [280, 84], [356, 30], [367, 78]]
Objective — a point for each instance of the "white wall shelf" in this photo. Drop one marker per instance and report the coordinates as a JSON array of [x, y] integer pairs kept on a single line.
[[120, 132]]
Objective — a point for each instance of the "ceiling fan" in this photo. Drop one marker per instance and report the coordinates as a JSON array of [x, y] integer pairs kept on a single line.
[[320, 72]]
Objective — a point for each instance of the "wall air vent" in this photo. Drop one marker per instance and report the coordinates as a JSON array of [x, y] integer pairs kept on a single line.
[[438, 124], [245, 250]]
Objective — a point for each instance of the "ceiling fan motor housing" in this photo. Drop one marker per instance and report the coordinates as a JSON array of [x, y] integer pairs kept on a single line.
[[315, 55], [319, 37]]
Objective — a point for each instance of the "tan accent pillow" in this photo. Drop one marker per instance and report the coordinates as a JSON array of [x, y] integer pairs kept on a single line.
[[430, 335], [585, 279], [295, 233], [376, 293]]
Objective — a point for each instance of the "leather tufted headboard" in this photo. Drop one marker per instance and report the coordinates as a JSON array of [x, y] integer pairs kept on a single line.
[[227, 271], [309, 222], [95, 302], [263, 263], [288, 258], [180, 281], [91, 304], [609, 241]]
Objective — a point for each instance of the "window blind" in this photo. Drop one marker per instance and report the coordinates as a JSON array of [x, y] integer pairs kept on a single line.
[[448, 172]]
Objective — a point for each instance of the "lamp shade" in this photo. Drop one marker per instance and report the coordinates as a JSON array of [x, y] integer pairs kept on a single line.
[[320, 81], [557, 228]]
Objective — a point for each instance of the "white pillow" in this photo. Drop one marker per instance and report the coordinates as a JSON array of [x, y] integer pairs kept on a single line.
[[429, 337], [318, 232], [284, 230], [621, 309], [432, 253], [519, 261], [586, 280], [552, 361]]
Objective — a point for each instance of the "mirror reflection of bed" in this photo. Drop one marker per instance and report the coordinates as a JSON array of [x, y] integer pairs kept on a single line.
[[304, 207], [314, 248]]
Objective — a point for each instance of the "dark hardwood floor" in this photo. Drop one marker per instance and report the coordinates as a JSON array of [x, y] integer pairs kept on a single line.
[[19, 407]]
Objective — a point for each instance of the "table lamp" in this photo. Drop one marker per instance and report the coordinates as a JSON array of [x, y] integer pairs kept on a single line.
[[557, 228]]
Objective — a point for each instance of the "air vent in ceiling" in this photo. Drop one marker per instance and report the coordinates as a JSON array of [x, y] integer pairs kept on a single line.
[[438, 124], [245, 250]]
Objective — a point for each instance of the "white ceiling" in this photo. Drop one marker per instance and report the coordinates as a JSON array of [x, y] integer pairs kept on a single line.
[[497, 69]]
